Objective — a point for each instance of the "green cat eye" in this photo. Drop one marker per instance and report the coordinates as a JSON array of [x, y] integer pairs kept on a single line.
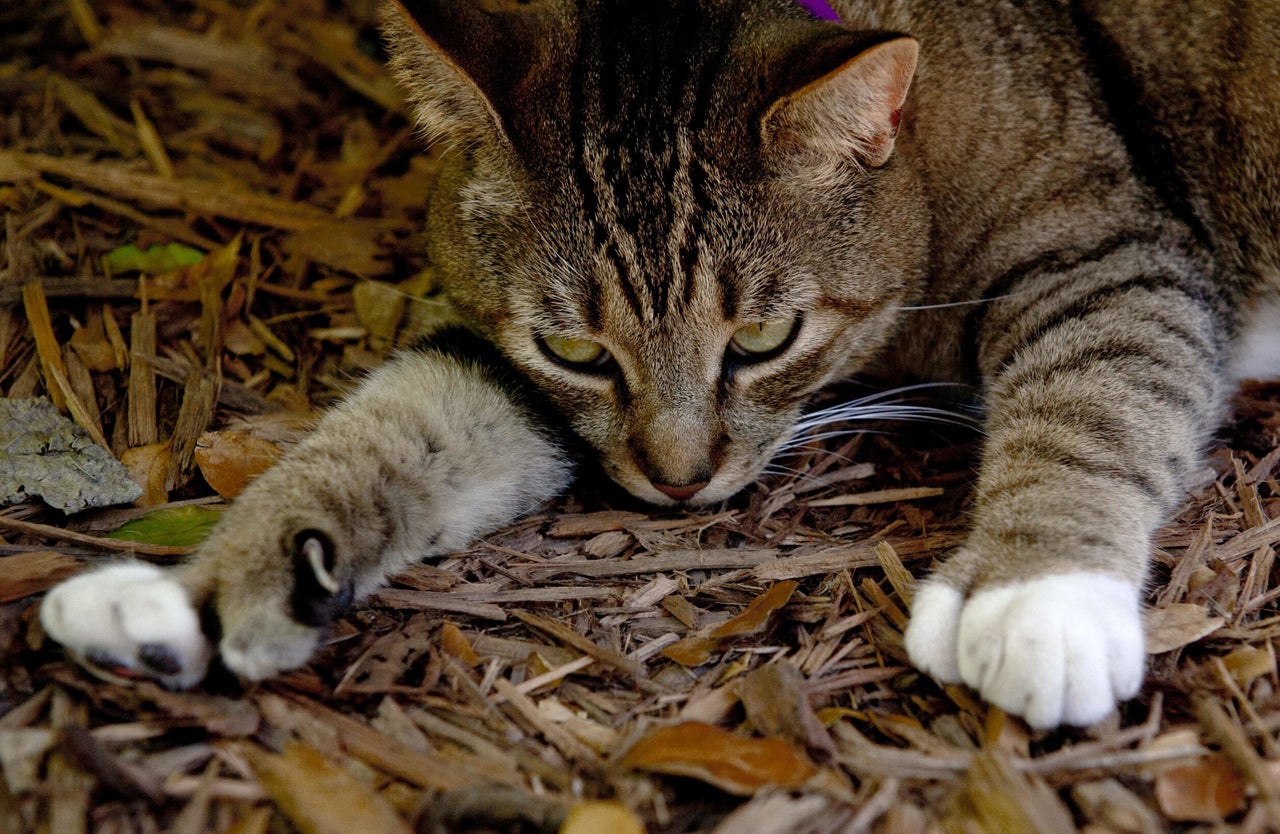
[[762, 338], [575, 351]]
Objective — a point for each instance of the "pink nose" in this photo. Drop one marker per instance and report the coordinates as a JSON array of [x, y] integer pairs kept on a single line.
[[680, 493]]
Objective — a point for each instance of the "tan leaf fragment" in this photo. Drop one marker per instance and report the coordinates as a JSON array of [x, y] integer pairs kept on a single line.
[[775, 700], [733, 763], [379, 307], [149, 468], [455, 644], [1208, 790], [24, 574], [319, 796], [229, 460], [1247, 663], [697, 649], [1178, 624], [596, 817]]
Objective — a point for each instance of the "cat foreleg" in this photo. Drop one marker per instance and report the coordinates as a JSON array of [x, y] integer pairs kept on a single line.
[[429, 453], [1099, 399]]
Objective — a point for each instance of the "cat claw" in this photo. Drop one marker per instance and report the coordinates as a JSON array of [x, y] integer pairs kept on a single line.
[[1057, 650], [131, 619]]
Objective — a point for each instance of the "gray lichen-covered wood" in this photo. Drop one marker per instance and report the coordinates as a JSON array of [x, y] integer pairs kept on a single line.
[[44, 455]]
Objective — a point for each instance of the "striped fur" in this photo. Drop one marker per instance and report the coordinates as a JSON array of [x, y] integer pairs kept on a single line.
[[1076, 205]]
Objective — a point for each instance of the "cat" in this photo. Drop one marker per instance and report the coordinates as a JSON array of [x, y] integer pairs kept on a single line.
[[669, 223]]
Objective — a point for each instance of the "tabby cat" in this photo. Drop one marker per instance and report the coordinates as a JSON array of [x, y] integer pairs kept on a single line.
[[670, 222]]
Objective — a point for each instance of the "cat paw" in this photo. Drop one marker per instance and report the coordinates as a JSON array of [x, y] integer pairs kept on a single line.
[[129, 618], [931, 634], [1058, 650]]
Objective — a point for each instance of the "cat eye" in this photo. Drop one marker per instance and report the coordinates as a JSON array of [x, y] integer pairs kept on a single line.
[[763, 339], [578, 353]]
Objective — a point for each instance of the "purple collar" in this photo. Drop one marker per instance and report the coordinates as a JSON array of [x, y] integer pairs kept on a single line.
[[820, 9]]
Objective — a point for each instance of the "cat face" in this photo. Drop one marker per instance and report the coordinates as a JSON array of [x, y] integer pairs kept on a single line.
[[677, 253]]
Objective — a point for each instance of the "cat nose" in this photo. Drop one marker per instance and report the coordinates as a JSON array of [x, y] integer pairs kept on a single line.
[[680, 493]]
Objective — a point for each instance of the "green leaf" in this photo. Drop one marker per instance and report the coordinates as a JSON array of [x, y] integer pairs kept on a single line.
[[175, 526], [157, 259]]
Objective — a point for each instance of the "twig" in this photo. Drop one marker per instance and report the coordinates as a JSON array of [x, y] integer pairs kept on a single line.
[[47, 531]]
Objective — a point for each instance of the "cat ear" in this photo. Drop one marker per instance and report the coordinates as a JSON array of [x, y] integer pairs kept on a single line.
[[461, 64], [851, 111]]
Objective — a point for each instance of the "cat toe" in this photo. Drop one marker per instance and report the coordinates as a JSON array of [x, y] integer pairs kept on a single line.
[[1057, 650], [131, 617], [263, 647], [931, 635]]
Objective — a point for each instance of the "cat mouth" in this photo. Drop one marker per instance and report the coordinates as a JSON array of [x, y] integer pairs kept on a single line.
[[724, 484]]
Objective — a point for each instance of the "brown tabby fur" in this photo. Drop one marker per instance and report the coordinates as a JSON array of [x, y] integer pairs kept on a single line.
[[1084, 197]]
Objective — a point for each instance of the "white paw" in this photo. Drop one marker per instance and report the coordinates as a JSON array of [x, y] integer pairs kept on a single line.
[[931, 637], [1058, 650], [130, 616]]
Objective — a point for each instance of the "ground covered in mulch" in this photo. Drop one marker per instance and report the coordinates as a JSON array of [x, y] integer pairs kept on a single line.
[[738, 670]]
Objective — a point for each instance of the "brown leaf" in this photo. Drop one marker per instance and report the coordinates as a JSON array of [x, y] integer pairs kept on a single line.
[[696, 650], [455, 644], [24, 574], [775, 701], [1208, 790], [351, 245], [1178, 624], [230, 459], [319, 796], [1246, 664], [379, 307], [731, 762], [149, 467]]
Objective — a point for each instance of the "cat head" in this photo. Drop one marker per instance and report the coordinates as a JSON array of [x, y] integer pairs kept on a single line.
[[680, 218]]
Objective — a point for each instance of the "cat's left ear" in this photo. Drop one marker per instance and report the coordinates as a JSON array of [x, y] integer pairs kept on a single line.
[[851, 111], [466, 66]]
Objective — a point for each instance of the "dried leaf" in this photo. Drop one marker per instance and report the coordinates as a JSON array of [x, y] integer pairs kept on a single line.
[[319, 796], [775, 700], [1246, 664], [731, 762], [1178, 624], [696, 650], [455, 644], [149, 467], [597, 817], [379, 307], [350, 245], [173, 526], [1208, 790], [230, 459], [24, 574]]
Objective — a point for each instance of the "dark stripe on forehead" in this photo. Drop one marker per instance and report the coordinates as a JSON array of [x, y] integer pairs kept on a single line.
[[697, 171], [656, 83], [578, 104], [727, 280]]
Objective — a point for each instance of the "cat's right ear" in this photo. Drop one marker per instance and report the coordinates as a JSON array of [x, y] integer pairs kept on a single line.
[[850, 112], [461, 64]]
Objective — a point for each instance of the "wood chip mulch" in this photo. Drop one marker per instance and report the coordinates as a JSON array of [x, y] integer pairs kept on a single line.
[[738, 670]]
